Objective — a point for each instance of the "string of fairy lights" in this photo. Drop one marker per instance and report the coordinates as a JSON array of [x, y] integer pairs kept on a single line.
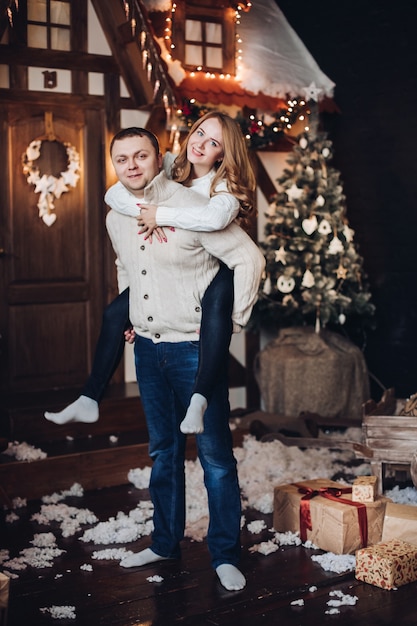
[[259, 132], [151, 58]]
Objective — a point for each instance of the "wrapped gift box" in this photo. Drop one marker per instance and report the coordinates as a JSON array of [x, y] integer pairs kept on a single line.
[[4, 598], [335, 525], [365, 489], [400, 522], [389, 564]]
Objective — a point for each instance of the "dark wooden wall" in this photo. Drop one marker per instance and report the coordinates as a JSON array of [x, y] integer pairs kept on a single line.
[[369, 49]]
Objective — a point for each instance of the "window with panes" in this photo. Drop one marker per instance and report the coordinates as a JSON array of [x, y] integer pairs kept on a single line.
[[204, 38], [49, 24]]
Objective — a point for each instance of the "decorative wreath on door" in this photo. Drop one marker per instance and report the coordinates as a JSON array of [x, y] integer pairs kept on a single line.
[[48, 186]]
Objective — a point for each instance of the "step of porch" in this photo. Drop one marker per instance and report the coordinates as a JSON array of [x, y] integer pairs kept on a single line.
[[95, 455]]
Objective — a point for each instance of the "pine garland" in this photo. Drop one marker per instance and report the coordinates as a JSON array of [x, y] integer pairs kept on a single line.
[[259, 133]]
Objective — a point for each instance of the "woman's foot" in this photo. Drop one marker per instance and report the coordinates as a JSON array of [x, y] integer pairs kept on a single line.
[[84, 409], [141, 558], [230, 577], [193, 421]]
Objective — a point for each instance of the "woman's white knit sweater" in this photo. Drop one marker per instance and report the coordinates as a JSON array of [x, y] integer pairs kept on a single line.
[[168, 280]]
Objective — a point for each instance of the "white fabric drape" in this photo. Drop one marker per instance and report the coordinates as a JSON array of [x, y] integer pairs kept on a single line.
[[274, 59]]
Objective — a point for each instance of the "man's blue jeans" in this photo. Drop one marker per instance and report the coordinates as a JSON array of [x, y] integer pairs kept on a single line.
[[166, 374]]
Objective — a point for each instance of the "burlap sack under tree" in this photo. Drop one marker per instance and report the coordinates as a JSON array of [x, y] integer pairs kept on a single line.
[[321, 373]]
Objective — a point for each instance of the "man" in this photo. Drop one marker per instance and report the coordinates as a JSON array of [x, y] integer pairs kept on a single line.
[[167, 283]]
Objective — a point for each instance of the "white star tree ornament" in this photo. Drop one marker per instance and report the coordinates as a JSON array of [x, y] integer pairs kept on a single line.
[[280, 256], [294, 192], [348, 233]]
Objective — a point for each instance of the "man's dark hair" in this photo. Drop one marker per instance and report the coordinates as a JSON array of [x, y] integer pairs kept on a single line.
[[134, 131]]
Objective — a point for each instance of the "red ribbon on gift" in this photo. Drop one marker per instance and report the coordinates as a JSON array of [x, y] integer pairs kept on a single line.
[[331, 493]]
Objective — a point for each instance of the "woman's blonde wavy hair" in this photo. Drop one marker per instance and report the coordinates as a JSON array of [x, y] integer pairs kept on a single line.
[[235, 167]]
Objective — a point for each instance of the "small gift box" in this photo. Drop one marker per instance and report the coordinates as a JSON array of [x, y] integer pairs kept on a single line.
[[4, 598], [324, 513], [400, 522], [365, 489], [388, 565]]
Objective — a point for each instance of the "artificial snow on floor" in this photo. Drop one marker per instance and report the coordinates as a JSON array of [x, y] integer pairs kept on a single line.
[[261, 466]]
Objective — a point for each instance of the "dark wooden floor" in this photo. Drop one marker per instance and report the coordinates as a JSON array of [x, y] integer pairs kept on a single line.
[[190, 593]]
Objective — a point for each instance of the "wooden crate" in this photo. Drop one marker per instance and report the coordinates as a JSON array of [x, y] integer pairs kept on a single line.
[[389, 438]]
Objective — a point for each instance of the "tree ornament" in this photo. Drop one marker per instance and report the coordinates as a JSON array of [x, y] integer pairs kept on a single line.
[[317, 326], [303, 143], [285, 284], [308, 279], [341, 272], [294, 192], [267, 288], [325, 152], [342, 318], [320, 201], [335, 246], [280, 256], [348, 233], [309, 224], [324, 227]]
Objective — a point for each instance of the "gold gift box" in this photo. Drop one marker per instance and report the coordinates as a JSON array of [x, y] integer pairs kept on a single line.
[[334, 524], [365, 489], [388, 565]]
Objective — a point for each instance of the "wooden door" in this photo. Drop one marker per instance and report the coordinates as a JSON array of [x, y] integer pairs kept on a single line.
[[51, 276]]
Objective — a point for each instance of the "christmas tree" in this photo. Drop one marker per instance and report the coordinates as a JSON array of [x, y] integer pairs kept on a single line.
[[314, 274]]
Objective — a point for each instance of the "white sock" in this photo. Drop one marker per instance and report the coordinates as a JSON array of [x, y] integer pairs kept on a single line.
[[193, 421], [230, 577], [84, 409], [141, 558]]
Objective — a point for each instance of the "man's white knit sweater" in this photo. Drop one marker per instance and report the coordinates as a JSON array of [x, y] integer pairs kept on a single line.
[[168, 280]]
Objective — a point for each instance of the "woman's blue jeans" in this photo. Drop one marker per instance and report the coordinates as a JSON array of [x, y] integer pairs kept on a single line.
[[110, 346], [166, 373]]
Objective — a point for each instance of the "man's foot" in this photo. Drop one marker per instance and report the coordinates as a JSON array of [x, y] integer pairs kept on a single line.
[[141, 558], [84, 409], [193, 421], [230, 577]]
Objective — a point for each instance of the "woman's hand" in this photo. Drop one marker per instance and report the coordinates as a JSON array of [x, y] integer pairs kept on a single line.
[[130, 335], [147, 215], [148, 225]]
